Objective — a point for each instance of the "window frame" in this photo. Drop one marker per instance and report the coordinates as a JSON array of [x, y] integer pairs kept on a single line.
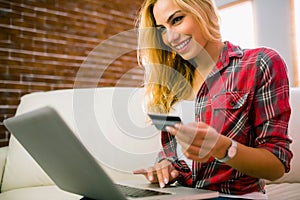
[[295, 54]]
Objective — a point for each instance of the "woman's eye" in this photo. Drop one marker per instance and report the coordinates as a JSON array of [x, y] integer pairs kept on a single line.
[[177, 19], [161, 29]]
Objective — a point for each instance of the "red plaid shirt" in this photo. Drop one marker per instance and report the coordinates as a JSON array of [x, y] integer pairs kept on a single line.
[[246, 98]]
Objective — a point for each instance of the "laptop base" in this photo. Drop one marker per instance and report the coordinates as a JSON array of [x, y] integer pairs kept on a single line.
[[86, 198]]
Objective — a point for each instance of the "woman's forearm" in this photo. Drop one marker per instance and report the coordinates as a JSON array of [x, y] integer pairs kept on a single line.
[[256, 162]]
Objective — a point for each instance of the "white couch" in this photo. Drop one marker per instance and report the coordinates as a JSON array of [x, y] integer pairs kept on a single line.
[[111, 120]]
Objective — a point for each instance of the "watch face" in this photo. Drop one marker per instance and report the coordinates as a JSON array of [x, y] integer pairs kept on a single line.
[[231, 152]]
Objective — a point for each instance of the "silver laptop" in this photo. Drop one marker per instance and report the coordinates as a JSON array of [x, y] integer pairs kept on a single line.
[[72, 167]]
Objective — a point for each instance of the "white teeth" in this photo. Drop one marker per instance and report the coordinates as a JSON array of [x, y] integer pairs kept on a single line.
[[182, 44]]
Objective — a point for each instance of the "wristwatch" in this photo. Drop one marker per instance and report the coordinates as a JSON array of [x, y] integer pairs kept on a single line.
[[230, 153]]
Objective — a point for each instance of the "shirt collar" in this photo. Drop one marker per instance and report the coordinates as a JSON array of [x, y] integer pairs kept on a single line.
[[229, 51]]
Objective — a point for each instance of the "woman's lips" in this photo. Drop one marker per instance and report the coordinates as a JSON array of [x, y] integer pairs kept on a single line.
[[182, 45]]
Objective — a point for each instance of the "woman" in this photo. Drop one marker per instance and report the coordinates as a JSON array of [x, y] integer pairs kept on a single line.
[[242, 110]]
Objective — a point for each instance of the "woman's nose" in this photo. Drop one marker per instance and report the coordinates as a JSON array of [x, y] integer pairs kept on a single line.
[[172, 36]]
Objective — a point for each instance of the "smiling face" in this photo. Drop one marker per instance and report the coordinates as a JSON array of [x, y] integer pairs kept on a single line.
[[179, 29]]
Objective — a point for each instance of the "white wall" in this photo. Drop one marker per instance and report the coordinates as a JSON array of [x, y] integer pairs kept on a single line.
[[272, 27]]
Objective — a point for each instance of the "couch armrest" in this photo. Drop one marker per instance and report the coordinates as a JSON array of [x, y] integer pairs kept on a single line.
[[3, 154]]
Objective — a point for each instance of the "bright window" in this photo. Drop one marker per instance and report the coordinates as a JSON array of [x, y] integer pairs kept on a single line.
[[297, 25], [237, 25]]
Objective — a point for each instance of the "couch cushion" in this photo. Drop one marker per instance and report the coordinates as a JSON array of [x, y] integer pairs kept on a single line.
[[294, 128], [21, 170], [115, 112], [290, 191], [3, 155], [39, 193], [19, 163]]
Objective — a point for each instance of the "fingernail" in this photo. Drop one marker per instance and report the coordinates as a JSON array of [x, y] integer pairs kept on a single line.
[[150, 178], [161, 185], [174, 174], [168, 128], [166, 181], [177, 125]]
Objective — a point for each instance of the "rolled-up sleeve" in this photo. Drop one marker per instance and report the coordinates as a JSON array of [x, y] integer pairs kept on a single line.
[[272, 108]]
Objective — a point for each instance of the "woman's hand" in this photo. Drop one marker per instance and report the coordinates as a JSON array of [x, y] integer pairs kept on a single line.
[[200, 141], [162, 173]]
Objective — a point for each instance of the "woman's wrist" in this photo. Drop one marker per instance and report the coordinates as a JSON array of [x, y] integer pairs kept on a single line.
[[221, 147]]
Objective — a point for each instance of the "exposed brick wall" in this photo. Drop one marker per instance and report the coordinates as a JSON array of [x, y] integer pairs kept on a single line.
[[48, 44]]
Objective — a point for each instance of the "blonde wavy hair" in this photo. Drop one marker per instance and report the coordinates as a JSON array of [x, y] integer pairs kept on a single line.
[[168, 76]]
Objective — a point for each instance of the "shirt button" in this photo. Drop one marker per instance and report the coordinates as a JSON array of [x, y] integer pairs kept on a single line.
[[232, 104]]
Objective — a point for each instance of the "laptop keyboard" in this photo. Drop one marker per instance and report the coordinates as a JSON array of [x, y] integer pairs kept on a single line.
[[138, 192]]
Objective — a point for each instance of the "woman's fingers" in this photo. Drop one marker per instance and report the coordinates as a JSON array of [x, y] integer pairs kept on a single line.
[[197, 139], [161, 176], [161, 173], [152, 175], [189, 134], [140, 171], [163, 170]]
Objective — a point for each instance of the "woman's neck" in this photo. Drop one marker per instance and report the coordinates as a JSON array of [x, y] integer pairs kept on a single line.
[[205, 63], [209, 55]]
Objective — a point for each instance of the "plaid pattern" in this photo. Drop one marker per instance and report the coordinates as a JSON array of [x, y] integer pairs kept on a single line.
[[246, 98]]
